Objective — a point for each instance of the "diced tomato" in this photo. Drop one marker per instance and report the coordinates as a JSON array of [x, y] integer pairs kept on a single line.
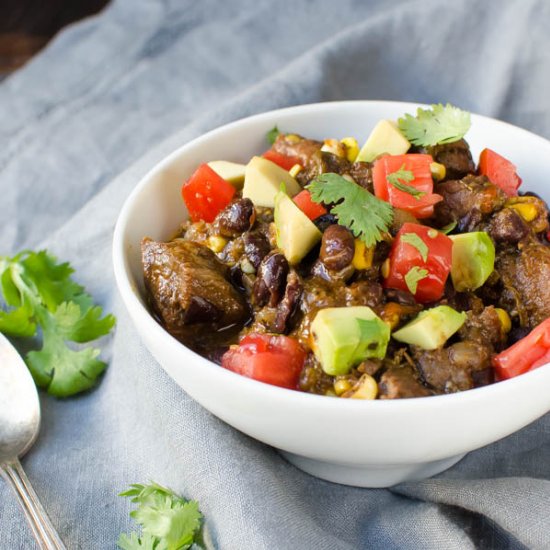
[[206, 194], [284, 161], [500, 171], [405, 256], [273, 359], [527, 354], [420, 206], [311, 209]]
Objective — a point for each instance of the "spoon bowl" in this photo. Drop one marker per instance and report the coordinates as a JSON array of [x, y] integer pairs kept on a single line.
[[19, 425], [19, 404]]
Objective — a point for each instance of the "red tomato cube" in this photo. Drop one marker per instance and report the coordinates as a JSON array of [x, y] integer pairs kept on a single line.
[[206, 194], [428, 253]]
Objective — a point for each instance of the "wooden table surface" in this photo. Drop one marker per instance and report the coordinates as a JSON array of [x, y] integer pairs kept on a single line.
[[26, 26]]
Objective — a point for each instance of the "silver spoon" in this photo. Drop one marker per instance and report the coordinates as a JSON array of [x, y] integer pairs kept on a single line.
[[19, 424]]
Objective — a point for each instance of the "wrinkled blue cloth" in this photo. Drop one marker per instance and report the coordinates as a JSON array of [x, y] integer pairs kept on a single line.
[[121, 90]]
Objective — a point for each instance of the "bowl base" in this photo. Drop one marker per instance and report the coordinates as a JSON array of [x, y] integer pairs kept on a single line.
[[370, 475]]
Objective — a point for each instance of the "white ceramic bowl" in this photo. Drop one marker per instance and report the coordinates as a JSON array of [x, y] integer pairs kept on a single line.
[[362, 443]]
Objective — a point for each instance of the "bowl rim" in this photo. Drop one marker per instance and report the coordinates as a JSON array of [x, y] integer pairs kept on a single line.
[[134, 305]]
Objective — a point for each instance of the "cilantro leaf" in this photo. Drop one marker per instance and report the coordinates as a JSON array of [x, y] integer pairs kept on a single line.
[[449, 227], [39, 292], [399, 176], [133, 541], [169, 522], [415, 240], [440, 124], [413, 277], [366, 216], [17, 322], [272, 135]]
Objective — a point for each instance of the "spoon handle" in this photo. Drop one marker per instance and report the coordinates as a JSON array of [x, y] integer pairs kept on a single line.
[[43, 530]]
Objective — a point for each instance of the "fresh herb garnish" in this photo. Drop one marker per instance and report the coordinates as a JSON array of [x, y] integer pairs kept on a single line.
[[440, 124], [415, 240], [366, 216], [272, 135], [399, 176], [39, 292], [449, 227], [168, 521], [413, 277]]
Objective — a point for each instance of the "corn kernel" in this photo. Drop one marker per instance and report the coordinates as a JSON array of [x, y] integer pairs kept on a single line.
[[504, 320], [341, 386], [247, 267], [363, 255], [385, 269], [391, 314], [527, 211], [368, 388], [216, 243], [335, 147], [438, 171], [352, 148], [295, 170], [292, 138], [330, 393]]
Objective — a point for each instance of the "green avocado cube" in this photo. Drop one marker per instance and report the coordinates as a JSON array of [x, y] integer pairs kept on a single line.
[[385, 138], [431, 328], [296, 233], [345, 336], [473, 260]]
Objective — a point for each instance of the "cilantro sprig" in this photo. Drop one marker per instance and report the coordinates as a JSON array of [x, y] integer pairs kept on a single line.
[[272, 135], [168, 521], [366, 216], [415, 240], [449, 227], [400, 176], [39, 292], [440, 124]]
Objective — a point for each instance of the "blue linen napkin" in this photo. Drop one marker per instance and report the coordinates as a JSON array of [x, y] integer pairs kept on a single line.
[[101, 98]]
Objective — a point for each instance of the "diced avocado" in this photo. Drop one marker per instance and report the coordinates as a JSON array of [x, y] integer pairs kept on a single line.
[[473, 260], [296, 233], [431, 328], [384, 138], [345, 336], [262, 181], [229, 171]]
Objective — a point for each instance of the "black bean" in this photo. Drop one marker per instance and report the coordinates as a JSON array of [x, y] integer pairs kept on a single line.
[[337, 247], [288, 304], [271, 280], [236, 218], [256, 247], [322, 222], [516, 334]]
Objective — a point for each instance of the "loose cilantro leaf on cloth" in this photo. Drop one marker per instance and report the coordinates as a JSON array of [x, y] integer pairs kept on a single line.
[[398, 177], [366, 216], [272, 135], [168, 521], [134, 541], [40, 293], [440, 124], [415, 240], [413, 277]]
